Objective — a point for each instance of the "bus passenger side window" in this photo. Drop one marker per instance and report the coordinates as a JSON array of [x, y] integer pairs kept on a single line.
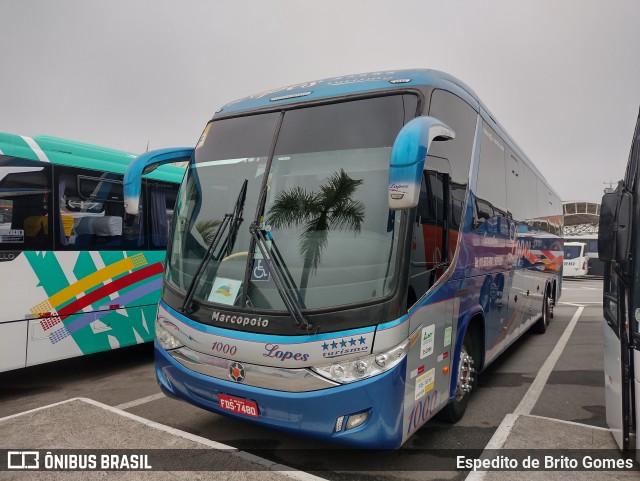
[[490, 188], [458, 193], [159, 209], [431, 204], [434, 239], [25, 205], [91, 212], [611, 297], [515, 187]]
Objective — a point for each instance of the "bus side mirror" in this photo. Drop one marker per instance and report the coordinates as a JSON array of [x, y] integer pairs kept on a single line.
[[143, 164], [408, 156], [614, 230]]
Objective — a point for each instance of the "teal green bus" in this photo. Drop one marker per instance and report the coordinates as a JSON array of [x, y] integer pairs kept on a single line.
[[79, 274]]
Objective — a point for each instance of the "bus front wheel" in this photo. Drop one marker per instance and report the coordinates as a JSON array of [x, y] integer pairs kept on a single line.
[[454, 411]]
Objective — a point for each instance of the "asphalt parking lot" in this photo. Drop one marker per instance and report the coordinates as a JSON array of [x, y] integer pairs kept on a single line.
[[553, 377]]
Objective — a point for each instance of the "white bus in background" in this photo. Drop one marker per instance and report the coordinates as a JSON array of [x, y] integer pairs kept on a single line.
[[595, 267], [576, 262]]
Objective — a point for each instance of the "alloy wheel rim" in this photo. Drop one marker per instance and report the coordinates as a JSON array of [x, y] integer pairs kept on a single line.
[[465, 374]]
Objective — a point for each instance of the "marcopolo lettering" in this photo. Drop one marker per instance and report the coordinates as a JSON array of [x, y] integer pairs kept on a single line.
[[8, 256], [239, 320]]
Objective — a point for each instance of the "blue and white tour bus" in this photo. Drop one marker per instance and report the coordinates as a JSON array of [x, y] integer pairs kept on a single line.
[[347, 254]]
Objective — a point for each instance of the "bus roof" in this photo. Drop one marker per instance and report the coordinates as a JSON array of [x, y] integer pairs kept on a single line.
[[349, 85], [78, 154], [388, 80]]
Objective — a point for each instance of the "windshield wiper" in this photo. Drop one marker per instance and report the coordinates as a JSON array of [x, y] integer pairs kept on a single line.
[[233, 221], [281, 276], [236, 221]]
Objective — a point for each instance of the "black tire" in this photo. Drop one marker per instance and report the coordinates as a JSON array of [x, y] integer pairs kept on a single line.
[[540, 327], [453, 412]]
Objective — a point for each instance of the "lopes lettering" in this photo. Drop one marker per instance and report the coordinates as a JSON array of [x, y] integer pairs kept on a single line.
[[274, 351]]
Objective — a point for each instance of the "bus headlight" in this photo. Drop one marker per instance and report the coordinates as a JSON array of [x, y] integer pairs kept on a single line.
[[364, 367], [165, 338]]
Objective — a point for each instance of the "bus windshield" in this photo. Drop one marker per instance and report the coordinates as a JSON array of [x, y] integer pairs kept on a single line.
[[324, 206], [571, 252]]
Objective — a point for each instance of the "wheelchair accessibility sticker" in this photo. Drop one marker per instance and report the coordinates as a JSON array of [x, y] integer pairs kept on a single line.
[[260, 270]]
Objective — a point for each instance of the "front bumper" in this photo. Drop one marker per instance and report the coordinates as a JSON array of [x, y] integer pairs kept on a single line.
[[311, 413]]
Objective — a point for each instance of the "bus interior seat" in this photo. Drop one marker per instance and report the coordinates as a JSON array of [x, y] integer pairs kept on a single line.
[[83, 231], [36, 229], [108, 229], [36, 224]]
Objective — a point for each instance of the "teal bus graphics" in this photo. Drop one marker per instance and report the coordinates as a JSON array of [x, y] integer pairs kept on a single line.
[[79, 274]]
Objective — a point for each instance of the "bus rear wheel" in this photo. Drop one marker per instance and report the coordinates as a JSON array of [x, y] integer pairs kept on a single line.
[[540, 327], [454, 411]]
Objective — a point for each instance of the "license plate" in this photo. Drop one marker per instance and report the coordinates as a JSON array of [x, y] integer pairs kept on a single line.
[[238, 405]]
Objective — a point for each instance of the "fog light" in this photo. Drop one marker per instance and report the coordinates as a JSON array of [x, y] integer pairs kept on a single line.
[[338, 371], [356, 420], [360, 368], [364, 367], [339, 422], [166, 340], [381, 360]]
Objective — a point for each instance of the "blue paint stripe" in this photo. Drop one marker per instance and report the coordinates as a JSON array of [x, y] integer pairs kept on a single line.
[[262, 338], [390, 324]]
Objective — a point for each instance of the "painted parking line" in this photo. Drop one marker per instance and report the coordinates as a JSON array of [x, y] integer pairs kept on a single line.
[[580, 304], [581, 289], [569, 423], [6, 418], [138, 402], [530, 398], [269, 465]]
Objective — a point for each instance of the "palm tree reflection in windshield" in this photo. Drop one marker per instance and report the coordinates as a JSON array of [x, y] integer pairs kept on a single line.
[[332, 207], [207, 229]]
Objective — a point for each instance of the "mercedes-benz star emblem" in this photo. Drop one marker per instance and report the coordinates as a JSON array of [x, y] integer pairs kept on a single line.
[[236, 372]]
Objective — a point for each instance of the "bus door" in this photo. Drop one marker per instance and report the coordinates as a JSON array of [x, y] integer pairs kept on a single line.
[[433, 239], [621, 306], [616, 346]]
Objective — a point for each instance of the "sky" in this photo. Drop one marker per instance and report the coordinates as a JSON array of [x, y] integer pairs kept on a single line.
[[562, 77]]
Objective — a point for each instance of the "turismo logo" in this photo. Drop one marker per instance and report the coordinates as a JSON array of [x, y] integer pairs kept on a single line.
[[344, 347]]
